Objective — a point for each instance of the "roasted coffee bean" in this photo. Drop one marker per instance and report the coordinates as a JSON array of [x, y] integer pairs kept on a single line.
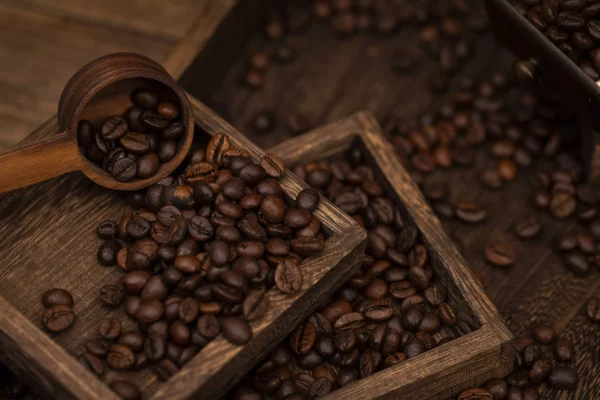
[[543, 334], [288, 277], [352, 320], [126, 390], [563, 350], [112, 295], [497, 388], [303, 338], [150, 311], [120, 357], [217, 145], [54, 297], [273, 165], [94, 364], [109, 329], [577, 262], [531, 354], [470, 212], [58, 317], [255, 305], [500, 254], [562, 204], [107, 230], [236, 330], [147, 165], [446, 314], [563, 378], [475, 394], [527, 227], [132, 339], [107, 253], [593, 309]]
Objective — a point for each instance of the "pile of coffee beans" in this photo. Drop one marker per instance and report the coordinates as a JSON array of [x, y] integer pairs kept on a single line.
[[391, 310], [198, 257], [135, 144], [445, 33], [58, 313], [572, 25], [542, 359]]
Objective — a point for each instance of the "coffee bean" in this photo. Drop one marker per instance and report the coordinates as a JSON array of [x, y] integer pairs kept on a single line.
[[527, 227], [497, 388], [273, 165], [562, 204], [563, 350], [470, 212], [475, 394], [149, 311], [236, 330], [132, 339], [352, 320], [543, 334], [93, 363], [112, 295], [500, 254], [126, 390], [563, 378], [54, 297], [446, 314], [593, 309], [255, 305], [109, 329], [120, 357], [168, 110], [288, 277], [302, 339], [58, 317], [217, 145], [147, 165], [577, 262]]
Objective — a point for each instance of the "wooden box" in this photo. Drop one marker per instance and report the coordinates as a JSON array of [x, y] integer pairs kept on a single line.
[[556, 72], [48, 240], [465, 362]]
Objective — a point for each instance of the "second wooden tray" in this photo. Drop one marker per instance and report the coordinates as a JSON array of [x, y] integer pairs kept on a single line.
[[48, 240], [465, 362]]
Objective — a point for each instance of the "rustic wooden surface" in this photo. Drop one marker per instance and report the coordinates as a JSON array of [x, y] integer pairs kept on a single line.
[[43, 43], [333, 78], [448, 369], [55, 222]]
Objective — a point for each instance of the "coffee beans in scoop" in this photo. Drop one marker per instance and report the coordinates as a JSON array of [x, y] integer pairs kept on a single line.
[[134, 144], [198, 256]]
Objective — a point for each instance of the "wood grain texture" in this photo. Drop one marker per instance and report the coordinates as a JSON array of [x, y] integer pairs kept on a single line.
[[39, 55], [39, 162], [462, 363], [51, 227], [156, 19]]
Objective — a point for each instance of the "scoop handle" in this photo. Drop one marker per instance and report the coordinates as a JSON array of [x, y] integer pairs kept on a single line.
[[39, 162]]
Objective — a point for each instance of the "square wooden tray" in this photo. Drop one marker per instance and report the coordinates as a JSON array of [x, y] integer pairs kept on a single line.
[[462, 363], [48, 240]]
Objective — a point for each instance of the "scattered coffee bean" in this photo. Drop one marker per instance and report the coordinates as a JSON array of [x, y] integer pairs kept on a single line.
[[500, 254]]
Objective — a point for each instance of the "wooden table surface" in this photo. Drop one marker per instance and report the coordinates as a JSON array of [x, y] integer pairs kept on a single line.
[[333, 78]]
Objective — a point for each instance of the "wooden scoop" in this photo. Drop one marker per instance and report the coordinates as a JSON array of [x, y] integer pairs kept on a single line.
[[100, 89]]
